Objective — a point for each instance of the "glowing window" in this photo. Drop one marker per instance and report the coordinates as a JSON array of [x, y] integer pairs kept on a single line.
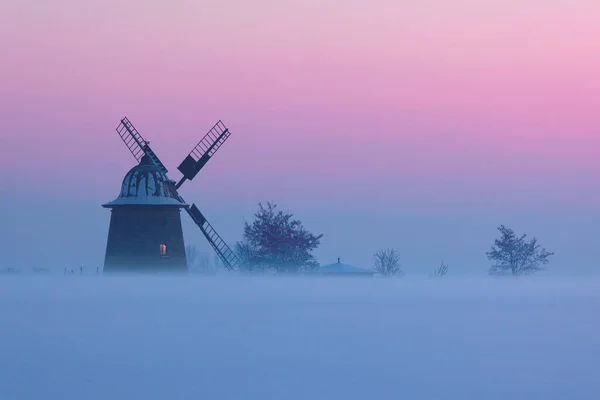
[[163, 249]]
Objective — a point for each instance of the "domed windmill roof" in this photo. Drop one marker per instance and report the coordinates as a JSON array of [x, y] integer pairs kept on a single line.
[[145, 184]]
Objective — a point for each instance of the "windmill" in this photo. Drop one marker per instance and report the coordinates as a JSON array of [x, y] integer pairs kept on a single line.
[[189, 168]]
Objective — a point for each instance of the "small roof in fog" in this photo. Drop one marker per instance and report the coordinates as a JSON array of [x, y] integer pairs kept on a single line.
[[340, 268]]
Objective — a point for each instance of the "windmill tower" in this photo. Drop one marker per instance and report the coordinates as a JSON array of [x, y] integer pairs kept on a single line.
[[145, 233]]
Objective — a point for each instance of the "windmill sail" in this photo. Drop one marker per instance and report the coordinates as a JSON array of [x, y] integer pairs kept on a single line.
[[204, 150], [136, 144], [228, 257]]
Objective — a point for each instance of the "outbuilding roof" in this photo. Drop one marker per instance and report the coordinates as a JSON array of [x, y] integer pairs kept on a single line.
[[340, 268]]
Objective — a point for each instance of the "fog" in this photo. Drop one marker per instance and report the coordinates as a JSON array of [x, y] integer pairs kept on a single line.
[[86, 337]]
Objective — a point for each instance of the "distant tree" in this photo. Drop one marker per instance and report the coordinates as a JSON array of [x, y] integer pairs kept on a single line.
[[276, 241], [217, 263], [441, 270], [197, 260], [203, 264], [513, 255], [191, 254], [387, 262]]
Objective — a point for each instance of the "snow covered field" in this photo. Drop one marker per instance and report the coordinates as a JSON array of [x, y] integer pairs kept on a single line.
[[282, 338]]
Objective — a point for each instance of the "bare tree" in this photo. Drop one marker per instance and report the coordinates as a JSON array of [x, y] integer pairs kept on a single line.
[[191, 253], [197, 261], [203, 264], [387, 262], [516, 255], [441, 270]]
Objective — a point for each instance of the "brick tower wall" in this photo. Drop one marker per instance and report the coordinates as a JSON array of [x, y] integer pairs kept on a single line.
[[135, 236]]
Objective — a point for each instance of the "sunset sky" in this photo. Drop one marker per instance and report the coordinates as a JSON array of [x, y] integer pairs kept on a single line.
[[420, 125]]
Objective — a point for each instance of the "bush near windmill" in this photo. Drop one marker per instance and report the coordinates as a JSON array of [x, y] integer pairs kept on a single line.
[[276, 241]]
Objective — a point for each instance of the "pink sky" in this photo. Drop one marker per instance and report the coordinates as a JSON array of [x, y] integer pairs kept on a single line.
[[353, 103]]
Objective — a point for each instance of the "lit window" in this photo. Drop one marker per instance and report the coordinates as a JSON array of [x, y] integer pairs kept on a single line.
[[163, 249]]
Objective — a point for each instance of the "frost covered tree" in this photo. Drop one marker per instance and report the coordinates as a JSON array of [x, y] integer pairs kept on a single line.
[[441, 270], [515, 255], [274, 240], [387, 262]]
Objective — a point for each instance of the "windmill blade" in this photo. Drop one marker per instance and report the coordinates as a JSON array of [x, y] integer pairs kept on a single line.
[[136, 144], [204, 150], [227, 256]]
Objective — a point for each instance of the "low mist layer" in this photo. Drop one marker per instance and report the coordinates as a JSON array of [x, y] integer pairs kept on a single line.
[[282, 338]]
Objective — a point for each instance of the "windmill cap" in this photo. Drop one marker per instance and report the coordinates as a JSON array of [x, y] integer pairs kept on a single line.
[[145, 184]]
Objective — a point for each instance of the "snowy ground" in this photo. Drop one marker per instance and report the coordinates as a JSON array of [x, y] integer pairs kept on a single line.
[[270, 338]]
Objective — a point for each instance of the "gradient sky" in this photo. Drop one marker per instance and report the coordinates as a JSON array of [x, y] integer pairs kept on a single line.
[[417, 125]]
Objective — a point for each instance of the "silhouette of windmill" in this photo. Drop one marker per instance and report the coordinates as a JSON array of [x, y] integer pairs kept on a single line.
[[145, 233]]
